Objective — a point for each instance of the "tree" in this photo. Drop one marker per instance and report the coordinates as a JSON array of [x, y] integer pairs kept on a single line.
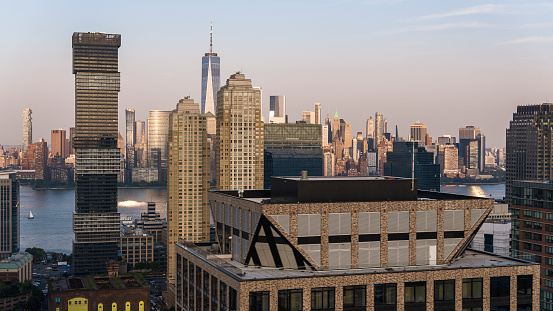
[[38, 253]]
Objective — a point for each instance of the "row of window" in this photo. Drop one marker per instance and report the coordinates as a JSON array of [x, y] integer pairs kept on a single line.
[[385, 295]]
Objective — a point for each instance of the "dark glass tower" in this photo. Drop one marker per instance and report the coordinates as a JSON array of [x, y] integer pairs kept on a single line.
[[401, 162], [211, 68], [95, 221]]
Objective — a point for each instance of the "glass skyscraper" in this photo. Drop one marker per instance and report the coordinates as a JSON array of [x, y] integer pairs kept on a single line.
[[96, 220], [211, 65]]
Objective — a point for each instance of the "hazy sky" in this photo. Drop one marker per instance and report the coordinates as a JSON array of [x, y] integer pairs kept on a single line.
[[445, 63]]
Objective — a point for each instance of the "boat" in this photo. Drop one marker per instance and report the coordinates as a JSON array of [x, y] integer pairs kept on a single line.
[[31, 215]]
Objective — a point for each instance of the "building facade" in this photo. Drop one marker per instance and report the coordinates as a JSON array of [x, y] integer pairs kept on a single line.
[[158, 131], [277, 109], [17, 267], [57, 144], [239, 154], [532, 230], [9, 214], [409, 160], [418, 132], [378, 129], [529, 146], [188, 179], [27, 130], [211, 72], [130, 135], [291, 149], [320, 244], [97, 166]]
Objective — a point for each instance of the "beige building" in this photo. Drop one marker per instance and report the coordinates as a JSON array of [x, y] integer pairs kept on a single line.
[[317, 113], [188, 179], [239, 153], [308, 117], [448, 159], [136, 246], [418, 132]]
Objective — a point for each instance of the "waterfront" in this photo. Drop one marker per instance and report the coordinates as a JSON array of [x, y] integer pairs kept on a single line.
[[52, 230]]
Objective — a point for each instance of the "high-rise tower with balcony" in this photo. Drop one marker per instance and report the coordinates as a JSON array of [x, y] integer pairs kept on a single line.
[[9, 214], [96, 220], [211, 65]]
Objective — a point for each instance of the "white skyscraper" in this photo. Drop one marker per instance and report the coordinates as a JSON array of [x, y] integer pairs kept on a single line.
[[27, 129], [211, 69]]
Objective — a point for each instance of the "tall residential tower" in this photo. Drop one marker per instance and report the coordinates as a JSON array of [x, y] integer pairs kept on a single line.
[[96, 220], [239, 154], [27, 130], [211, 66], [9, 214], [188, 179]]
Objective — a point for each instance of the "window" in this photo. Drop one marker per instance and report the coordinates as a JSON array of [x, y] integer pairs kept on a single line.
[[232, 301], [355, 297], [385, 294], [488, 243], [259, 301], [472, 288], [322, 298], [444, 290], [500, 286], [290, 300], [415, 292], [524, 285]]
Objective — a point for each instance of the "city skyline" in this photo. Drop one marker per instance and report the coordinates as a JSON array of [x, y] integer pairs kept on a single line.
[[475, 57]]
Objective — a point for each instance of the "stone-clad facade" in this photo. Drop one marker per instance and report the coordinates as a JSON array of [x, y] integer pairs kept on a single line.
[[369, 244]]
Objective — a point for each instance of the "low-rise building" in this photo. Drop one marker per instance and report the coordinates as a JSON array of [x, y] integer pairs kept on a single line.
[[18, 266], [136, 245], [123, 292]]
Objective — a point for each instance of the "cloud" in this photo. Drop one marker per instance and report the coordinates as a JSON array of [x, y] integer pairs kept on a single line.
[[445, 26], [477, 9], [529, 40]]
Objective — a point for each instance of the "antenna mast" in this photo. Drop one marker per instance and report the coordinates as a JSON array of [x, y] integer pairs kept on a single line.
[[211, 39]]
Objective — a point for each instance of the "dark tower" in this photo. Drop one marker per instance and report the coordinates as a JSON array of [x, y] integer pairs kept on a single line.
[[95, 221]]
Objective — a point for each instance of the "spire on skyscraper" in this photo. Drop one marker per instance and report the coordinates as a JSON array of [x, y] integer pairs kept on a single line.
[[211, 39]]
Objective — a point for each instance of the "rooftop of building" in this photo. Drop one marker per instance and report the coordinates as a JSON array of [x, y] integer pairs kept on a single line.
[[98, 282], [310, 189], [548, 184], [15, 261], [471, 259]]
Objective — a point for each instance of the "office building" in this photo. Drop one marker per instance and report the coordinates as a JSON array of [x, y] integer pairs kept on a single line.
[[277, 109], [408, 159], [96, 220], [158, 131], [532, 230], [16, 267], [188, 179], [130, 135], [369, 128], [120, 292], [72, 133], [325, 136], [57, 144], [27, 130], [211, 71], [136, 245], [446, 140], [495, 234], [140, 132], [151, 221], [291, 149], [317, 113], [418, 132], [9, 214], [321, 244], [378, 129], [240, 139], [529, 147], [308, 117], [448, 160], [472, 149]]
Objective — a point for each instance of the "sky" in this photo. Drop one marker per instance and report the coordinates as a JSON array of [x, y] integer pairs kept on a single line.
[[447, 64]]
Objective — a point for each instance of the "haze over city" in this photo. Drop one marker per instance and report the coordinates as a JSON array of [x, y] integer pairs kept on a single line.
[[447, 64]]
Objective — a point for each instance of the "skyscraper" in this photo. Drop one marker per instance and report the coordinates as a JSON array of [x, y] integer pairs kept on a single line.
[[140, 132], [317, 113], [472, 149], [277, 109], [418, 132], [308, 117], [211, 67], [370, 128], [41, 159], [96, 220], [27, 130], [130, 136], [239, 154], [378, 129], [9, 214], [57, 144], [529, 147], [188, 179], [158, 131]]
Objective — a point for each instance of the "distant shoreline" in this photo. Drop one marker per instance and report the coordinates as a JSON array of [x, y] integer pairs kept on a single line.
[[119, 187], [471, 183]]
